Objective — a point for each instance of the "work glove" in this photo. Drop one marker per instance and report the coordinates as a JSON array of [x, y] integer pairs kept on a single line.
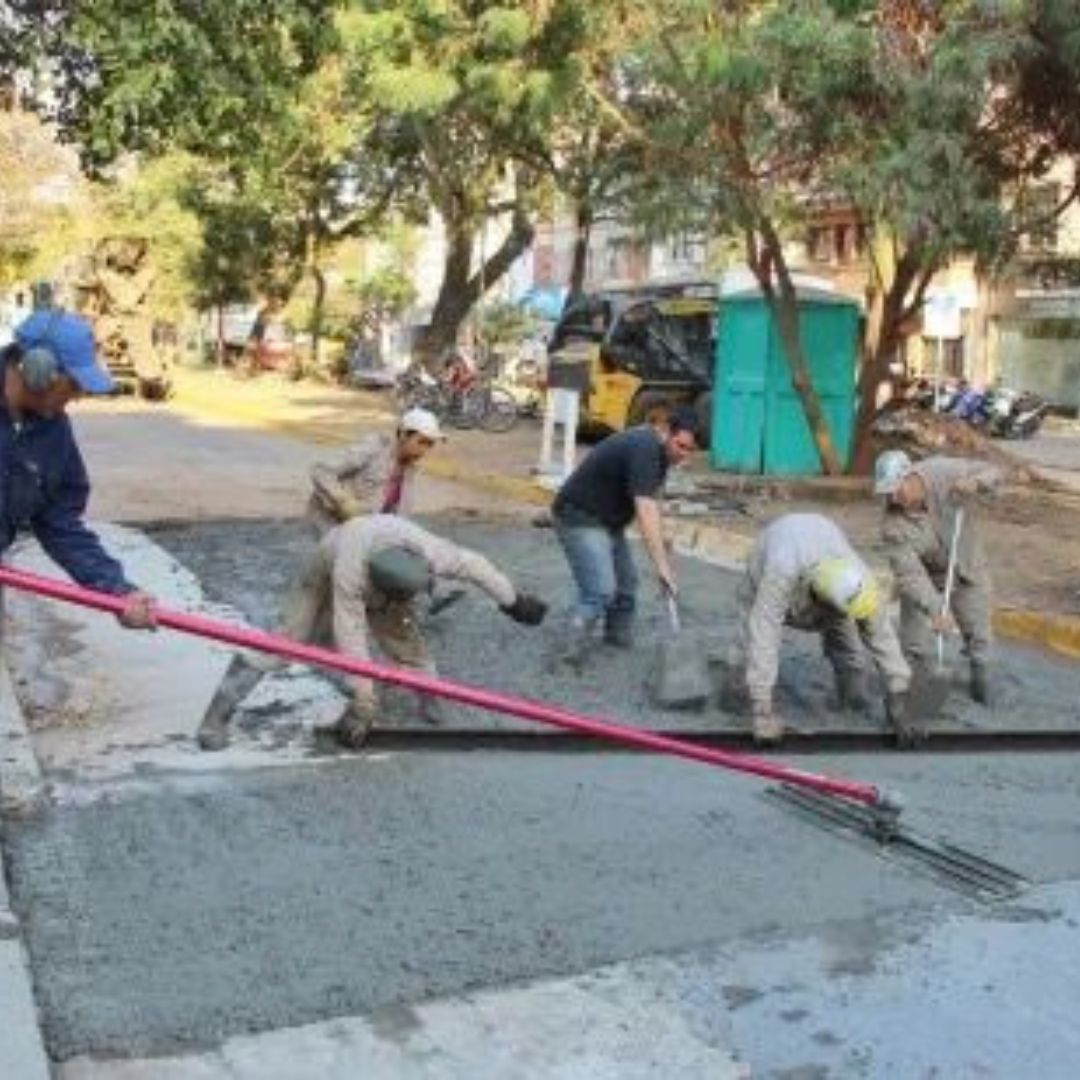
[[526, 609], [355, 723], [907, 732], [138, 613]]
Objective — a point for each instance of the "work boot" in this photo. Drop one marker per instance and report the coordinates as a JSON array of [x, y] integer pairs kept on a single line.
[[434, 711], [907, 732], [619, 629], [851, 691], [238, 681], [580, 644], [354, 725], [768, 731], [981, 692]]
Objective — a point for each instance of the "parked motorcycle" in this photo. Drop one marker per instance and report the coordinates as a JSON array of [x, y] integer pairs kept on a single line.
[[1016, 414]]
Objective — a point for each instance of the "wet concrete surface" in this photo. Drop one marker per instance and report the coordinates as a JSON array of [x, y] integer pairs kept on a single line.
[[248, 565], [167, 915]]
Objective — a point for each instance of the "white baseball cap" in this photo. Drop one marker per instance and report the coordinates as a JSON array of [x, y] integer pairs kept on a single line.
[[421, 422]]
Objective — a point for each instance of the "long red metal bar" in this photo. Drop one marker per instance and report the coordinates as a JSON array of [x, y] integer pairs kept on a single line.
[[454, 691]]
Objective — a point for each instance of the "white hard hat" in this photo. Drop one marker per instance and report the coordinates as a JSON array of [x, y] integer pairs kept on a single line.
[[889, 471], [421, 422]]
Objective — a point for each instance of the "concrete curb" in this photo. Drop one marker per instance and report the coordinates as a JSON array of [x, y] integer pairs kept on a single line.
[[22, 790]]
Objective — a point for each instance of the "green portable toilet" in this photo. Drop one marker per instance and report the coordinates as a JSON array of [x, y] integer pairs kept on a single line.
[[759, 425]]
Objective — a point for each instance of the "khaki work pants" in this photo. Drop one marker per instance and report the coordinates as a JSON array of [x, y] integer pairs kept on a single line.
[[309, 616], [971, 606]]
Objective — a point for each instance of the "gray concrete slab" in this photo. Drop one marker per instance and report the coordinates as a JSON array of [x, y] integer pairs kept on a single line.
[[617, 1023], [170, 916], [976, 995]]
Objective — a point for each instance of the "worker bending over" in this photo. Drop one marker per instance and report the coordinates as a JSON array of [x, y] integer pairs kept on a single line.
[[375, 476], [361, 582], [803, 573], [920, 517]]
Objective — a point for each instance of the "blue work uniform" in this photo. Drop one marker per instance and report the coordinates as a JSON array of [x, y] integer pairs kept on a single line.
[[44, 489]]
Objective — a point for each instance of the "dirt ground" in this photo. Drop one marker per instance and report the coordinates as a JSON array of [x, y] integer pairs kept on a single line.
[[230, 448]]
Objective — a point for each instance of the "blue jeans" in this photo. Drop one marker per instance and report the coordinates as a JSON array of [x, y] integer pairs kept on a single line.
[[603, 567]]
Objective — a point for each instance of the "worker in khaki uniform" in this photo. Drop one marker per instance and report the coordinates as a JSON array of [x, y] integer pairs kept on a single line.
[[375, 476], [360, 584], [920, 515], [803, 573]]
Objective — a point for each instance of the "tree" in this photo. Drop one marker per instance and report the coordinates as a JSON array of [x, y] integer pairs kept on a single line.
[[715, 97], [953, 136], [461, 93], [38, 177]]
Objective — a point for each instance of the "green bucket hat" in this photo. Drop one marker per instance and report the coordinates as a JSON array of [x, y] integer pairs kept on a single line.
[[399, 572]]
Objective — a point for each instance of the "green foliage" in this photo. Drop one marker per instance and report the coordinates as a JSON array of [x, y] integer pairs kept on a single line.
[[505, 323], [206, 77]]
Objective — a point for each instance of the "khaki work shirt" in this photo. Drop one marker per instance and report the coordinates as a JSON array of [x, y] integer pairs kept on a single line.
[[363, 475], [918, 542]]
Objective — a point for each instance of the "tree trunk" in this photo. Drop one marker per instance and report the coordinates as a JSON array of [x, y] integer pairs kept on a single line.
[[219, 337], [318, 302], [580, 263], [461, 289], [890, 306], [784, 308]]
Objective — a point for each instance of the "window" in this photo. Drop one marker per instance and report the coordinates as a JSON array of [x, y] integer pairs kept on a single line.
[[686, 248], [818, 247], [1037, 207]]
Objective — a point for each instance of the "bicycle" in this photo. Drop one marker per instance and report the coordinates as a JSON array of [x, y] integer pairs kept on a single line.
[[491, 408], [417, 389]]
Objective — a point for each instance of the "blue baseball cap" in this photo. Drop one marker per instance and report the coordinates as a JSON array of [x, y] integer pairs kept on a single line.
[[70, 339]]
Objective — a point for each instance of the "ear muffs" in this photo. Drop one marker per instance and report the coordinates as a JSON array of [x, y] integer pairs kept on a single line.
[[39, 368]]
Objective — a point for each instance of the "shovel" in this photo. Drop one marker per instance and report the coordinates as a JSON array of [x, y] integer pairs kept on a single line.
[[682, 679], [931, 685]]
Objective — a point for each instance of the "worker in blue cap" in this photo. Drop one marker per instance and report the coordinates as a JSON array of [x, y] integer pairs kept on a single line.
[[44, 487]]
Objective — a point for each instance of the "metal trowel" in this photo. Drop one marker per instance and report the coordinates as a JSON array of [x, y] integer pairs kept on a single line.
[[681, 679]]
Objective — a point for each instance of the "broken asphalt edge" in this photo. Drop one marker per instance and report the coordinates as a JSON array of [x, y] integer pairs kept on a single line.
[[22, 791], [1058, 633]]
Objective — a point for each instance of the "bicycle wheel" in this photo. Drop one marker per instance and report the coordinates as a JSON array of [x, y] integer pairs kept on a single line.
[[465, 410], [501, 412]]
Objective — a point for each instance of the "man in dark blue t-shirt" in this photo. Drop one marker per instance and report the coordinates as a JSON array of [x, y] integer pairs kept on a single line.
[[618, 484]]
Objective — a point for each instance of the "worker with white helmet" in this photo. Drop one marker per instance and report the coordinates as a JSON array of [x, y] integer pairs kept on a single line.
[[374, 476], [803, 573], [920, 516]]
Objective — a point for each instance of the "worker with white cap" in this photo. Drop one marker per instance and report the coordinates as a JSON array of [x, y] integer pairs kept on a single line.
[[922, 500], [804, 573], [374, 476]]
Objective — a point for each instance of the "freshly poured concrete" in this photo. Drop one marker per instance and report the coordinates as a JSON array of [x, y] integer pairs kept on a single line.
[[248, 565], [211, 906], [176, 902]]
